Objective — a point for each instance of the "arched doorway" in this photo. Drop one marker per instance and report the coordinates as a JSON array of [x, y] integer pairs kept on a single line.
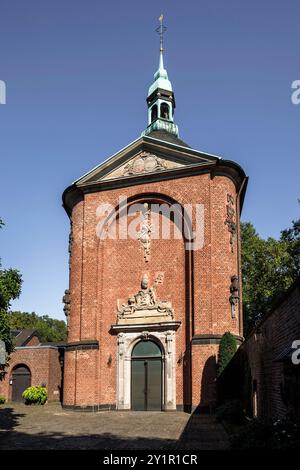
[[146, 377], [21, 379]]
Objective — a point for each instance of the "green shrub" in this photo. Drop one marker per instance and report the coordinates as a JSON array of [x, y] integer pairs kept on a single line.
[[2, 400], [35, 395], [227, 349], [231, 411]]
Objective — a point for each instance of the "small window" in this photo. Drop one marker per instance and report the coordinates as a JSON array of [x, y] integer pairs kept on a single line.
[[164, 111], [153, 112]]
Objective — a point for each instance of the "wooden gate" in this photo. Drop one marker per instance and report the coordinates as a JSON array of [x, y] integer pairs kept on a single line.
[[21, 379]]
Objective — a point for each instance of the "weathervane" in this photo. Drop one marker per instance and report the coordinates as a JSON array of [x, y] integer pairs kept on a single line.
[[161, 29]]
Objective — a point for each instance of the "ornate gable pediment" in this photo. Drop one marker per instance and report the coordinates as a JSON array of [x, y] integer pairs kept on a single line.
[[143, 162], [142, 157]]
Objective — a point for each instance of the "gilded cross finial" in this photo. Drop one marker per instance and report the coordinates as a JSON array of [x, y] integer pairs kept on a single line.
[[161, 29]]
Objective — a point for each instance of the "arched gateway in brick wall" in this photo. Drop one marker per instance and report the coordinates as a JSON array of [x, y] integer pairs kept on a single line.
[[154, 261]]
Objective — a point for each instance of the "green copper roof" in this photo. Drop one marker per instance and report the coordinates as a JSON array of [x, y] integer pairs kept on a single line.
[[161, 105], [162, 125], [160, 77]]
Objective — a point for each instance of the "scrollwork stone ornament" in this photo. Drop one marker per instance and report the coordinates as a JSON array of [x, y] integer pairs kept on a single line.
[[169, 340], [145, 162], [145, 304], [121, 341], [234, 294]]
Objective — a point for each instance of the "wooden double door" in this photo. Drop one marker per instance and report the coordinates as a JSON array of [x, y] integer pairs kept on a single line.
[[146, 377]]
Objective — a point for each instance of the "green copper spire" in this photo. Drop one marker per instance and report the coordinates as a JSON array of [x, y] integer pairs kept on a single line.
[[160, 99], [161, 75], [161, 79]]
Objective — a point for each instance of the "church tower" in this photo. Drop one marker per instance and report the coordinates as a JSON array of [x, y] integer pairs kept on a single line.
[[155, 277], [160, 99]]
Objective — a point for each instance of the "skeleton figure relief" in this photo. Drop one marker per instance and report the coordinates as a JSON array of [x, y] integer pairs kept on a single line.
[[144, 235]]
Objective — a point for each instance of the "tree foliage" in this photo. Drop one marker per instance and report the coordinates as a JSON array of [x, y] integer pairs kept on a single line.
[[227, 349], [10, 289], [269, 267], [49, 329]]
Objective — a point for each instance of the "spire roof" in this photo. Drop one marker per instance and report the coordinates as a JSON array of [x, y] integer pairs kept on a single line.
[[160, 98], [161, 79]]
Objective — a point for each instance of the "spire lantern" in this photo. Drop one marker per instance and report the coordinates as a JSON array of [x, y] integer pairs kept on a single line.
[[160, 99]]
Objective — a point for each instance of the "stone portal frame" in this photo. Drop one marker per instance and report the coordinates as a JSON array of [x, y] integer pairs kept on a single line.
[[126, 341]]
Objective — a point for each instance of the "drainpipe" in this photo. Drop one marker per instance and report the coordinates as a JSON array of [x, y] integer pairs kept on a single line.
[[239, 253]]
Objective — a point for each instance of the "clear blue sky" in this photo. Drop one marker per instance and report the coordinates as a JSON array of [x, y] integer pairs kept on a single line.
[[77, 74]]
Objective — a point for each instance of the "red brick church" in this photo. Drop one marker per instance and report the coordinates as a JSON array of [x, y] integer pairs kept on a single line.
[[155, 273]]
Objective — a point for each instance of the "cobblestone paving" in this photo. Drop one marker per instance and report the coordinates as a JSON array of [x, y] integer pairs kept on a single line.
[[51, 427]]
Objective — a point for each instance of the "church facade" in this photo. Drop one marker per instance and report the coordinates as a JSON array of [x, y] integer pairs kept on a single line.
[[155, 276]]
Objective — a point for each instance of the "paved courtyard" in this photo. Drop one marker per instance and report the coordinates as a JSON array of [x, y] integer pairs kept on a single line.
[[51, 427]]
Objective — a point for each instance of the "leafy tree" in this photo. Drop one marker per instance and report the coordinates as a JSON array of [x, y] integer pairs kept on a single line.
[[291, 237], [227, 349], [10, 289], [269, 267], [49, 329]]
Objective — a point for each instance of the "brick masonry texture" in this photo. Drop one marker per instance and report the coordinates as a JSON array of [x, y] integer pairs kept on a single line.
[[104, 271]]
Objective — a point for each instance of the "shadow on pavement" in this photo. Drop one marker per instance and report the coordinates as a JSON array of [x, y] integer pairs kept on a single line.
[[201, 432], [9, 419]]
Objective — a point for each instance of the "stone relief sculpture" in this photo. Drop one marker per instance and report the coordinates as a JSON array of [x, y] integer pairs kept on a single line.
[[70, 245], [146, 296], [144, 235], [230, 220], [142, 164], [145, 162], [169, 340], [234, 294], [145, 305], [67, 305], [121, 343]]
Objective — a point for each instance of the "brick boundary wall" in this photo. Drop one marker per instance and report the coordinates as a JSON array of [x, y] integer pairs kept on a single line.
[[44, 365], [266, 357]]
